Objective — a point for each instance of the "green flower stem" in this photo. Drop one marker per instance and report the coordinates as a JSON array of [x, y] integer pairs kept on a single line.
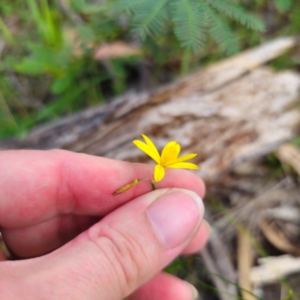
[[153, 185]]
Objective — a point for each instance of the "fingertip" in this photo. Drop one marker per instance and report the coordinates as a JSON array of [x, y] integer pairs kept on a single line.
[[165, 287], [184, 179], [175, 216], [199, 240]]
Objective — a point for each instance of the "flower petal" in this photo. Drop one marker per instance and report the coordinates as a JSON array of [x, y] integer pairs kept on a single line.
[[152, 147], [184, 165], [145, 148], [159, 173], [170, 152], [180, 159]]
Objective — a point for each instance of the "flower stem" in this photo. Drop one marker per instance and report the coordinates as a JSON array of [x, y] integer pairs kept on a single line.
[[153, 185]]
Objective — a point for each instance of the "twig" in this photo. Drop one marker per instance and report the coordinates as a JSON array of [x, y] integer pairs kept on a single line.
[[245, 262]]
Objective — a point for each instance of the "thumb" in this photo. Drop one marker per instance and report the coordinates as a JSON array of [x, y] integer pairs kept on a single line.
[[127, 248]]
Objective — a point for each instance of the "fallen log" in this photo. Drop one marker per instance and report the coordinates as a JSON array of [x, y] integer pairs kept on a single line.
[[230, 112]]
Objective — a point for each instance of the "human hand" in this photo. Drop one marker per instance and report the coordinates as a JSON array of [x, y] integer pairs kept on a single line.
[[106, 247]]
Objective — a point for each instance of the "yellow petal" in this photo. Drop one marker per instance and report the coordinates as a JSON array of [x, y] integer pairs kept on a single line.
[[184, 165], [159, 173], [145, 148], [180, 159], [170, 152], [152, 147]]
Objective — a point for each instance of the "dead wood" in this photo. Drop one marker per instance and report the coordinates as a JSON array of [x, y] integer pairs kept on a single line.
[[271, 270], [245, 263], [230, 112], [289, 154], [265, 209]]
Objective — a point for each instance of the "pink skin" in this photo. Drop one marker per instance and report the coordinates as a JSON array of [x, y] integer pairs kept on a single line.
[[47, 198], [163, 286]]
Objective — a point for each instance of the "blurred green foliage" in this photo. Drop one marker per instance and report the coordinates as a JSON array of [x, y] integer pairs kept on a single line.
[[47, 63], [191, 20]]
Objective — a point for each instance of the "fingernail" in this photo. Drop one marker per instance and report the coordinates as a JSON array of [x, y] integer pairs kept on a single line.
[[175, 216], [195, 294]]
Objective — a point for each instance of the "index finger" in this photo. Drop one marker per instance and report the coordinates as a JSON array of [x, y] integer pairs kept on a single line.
[[35, 186]]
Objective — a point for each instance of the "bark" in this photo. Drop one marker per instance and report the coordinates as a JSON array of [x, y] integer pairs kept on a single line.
[[230, 112]]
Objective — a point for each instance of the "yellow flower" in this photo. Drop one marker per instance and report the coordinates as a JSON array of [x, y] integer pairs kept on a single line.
[[168, 158]]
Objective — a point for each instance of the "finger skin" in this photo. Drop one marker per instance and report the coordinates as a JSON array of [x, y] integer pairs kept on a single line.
[[59, 193], [36, 186], [112, 258], [45, 237], [164, 287], [200, 239], [2, 256]]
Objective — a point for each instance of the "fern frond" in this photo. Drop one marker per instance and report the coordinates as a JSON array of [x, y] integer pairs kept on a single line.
[[222, 33], [151, 17], [236, 12], [189, 23], [127, 5], [191, 19]]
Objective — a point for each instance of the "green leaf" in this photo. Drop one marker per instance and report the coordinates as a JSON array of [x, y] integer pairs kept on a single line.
[[236, 12], [222, 33], [78, 4], [151, 17], [60, 84], [283, 5], [30, 67], [6, 33], [289, 296], [189, 23], [46, 22], [42, 59], [192, 20], [127, 5]]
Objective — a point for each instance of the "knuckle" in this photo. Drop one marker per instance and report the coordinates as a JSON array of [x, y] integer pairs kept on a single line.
[[126, 256]]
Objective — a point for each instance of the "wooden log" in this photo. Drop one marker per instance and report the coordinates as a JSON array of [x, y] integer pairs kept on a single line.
[[230, 112]]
